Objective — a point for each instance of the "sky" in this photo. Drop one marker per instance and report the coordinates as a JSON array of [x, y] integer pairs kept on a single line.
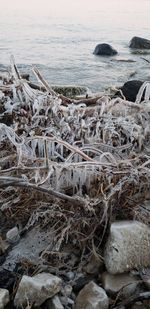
[[66, 6]]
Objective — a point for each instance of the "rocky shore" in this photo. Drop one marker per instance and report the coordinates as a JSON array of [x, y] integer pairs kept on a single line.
[[74, 196]]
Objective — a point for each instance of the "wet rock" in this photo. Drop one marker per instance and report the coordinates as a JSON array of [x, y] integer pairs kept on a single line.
[[25, 76], [37, 289], [139, 43], [104, 50], [123, 283], [92, 296], [130, 89], [12, 235], [54, 303], [128, 247], [71, 91], [4, 298]]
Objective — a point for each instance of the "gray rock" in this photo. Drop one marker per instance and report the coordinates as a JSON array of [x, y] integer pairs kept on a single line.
[[92, 296], [139, 43], [54, 303], [125, 284], [4, 298], [66, 290], [37, 289], [66, 301], [13, 236], [128, 247], [70, 275], [104, 50], [145, 275]]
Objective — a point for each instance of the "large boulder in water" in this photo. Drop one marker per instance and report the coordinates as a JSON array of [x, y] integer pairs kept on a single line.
[[130, 89], [139, 43], [104, 50]]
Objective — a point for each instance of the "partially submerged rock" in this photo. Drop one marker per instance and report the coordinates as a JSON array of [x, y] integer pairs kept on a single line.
[[71, 91], [130, 89], [128, 247], [105, 50], [4, 298], [124, 284], [92, 296], [35, 290], [139, 43]]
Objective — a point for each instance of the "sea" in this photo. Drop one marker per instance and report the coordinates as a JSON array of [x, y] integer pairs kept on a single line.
[[59, 38]]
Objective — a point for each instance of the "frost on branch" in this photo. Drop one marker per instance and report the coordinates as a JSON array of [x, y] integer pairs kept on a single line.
[[73, 165]]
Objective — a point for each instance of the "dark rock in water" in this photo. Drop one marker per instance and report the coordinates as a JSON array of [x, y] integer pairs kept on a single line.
[[139, 43], [105, 50], [130, 89]]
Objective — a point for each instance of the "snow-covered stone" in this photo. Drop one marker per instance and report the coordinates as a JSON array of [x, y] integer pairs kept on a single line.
[[4, 298], [37, 289], [128, 247], [92, 296]]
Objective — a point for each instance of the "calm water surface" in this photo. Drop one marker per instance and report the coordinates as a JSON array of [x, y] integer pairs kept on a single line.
[[60, 38]]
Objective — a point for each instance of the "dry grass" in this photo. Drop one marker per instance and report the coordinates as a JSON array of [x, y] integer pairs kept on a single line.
[[69, 166]]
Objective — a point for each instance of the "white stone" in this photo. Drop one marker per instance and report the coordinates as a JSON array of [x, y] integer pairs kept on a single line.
[[92, 297], [128, 247], [37, 289], [54, 303], [4, 298], [12, 235], [125, 284]]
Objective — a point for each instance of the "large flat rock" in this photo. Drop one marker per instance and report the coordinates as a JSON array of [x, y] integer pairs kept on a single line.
[[128, 247]]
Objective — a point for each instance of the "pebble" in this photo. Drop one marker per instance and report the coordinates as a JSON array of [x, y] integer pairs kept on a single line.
[[13, 236]]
